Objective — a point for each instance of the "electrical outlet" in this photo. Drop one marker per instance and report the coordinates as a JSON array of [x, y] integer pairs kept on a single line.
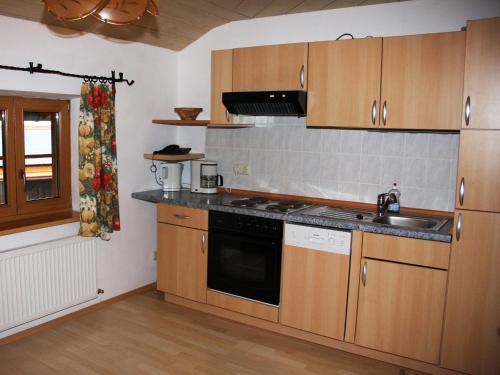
[[241, 169]]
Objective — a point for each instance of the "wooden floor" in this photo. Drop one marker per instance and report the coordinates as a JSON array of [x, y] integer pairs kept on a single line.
[[144, 335]]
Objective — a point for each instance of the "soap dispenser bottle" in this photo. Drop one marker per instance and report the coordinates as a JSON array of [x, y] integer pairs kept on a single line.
[[394, 196]]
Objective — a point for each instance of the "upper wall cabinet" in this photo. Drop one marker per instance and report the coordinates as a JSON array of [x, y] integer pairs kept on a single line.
[[481, 101], [221, 81], [422, 81], [278, 67], [344, 83]]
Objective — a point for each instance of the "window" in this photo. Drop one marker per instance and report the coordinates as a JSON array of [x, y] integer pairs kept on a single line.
[[35, 176]]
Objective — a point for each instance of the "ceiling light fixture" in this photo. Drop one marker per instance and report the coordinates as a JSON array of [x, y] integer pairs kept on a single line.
[[115, 12]]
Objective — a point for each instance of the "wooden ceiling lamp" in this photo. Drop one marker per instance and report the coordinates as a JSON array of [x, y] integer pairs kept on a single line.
[[115, 12]]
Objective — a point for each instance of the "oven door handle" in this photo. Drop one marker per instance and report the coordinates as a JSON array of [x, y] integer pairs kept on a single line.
[[203, 243]]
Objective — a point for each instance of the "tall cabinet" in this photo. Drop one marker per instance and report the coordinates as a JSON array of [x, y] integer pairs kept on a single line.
[[471, 338]]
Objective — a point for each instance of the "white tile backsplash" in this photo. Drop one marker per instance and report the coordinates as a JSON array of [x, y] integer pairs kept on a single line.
[[286, 157]]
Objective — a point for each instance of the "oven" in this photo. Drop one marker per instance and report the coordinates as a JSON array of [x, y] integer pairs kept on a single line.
[[244, 256]]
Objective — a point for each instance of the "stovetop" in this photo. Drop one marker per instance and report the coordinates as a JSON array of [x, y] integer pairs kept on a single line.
[[265, 204]]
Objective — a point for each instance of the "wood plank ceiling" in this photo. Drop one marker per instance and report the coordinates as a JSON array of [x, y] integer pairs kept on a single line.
[[180, 22]]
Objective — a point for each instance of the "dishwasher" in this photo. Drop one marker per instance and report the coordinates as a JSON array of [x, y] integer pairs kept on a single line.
[[315, 279]]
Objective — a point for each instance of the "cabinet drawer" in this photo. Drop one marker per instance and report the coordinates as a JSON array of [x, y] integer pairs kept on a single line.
[[406, 250], [184, 216]]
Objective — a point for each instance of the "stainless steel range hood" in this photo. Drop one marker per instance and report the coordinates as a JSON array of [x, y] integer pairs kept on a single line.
[[266, 103]]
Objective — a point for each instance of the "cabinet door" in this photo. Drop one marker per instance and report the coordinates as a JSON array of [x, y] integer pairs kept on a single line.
[[400, 309], [422, 81], [482, 74], [471, 340], [314, 291], [279, 67], [478, 179], [344, 83], [182, 261], [221, 81]]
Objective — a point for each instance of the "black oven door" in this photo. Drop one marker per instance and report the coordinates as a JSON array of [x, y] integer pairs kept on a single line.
[[245, 265]]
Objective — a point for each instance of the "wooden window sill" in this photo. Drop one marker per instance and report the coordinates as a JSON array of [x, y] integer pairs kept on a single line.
[[24, 225]]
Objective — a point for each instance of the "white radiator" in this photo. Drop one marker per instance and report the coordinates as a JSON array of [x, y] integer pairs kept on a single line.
[[39, 280]]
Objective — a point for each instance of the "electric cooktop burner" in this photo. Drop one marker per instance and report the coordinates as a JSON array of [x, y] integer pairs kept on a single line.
[[243, 203], [284, 206], [261, 203], [249, 202]]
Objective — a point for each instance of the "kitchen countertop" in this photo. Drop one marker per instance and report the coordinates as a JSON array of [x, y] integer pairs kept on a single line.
[[216, 202]]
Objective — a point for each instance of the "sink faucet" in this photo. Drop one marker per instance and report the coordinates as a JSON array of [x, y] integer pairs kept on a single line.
[[383, 201]]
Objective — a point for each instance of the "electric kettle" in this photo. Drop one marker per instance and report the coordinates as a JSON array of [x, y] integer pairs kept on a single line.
[[170, 176]]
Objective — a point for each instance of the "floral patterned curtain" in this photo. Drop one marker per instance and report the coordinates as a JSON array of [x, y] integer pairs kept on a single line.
[[98, 180]]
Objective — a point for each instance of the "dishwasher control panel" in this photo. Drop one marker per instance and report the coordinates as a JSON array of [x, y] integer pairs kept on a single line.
[[322, 239]]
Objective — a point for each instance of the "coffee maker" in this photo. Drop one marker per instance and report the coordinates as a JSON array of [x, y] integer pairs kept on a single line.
[[204, 177]]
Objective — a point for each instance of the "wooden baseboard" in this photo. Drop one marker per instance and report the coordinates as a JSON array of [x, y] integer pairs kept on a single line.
[[307, 336], [86, 310]]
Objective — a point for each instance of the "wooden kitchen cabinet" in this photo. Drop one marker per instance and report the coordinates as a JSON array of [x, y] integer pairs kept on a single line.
[[265, 68], [182, 261], [344, 83], [478, 178], [182, 251], [422, 81], [400, 309], [314, 291], [406, 250], [221, 81], [471, 339], [482, 74]]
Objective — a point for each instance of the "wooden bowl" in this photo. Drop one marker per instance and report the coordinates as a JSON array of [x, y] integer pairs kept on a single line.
[[188, 113]]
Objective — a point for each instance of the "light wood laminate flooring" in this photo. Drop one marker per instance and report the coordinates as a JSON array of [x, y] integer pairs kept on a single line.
[[144, 335]]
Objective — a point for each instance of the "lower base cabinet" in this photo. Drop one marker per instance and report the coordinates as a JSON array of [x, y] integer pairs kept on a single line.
[[400, 309], [471, 339], [182, 261]]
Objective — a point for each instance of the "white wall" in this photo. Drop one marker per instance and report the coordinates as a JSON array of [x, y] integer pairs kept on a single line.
[[408, 17], [125, 262]]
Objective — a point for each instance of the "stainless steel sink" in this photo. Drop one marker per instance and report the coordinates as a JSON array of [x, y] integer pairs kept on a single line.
[[412, 222]]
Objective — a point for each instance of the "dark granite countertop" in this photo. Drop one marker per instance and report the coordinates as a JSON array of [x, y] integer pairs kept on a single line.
[[216, 202]]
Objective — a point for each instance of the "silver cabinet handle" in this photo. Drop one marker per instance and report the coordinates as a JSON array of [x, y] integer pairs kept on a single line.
[[384, 113], [363, 273], [203, 243], [461, 191], [182, 217], [467, 111], [302, 76], [458, 228], [374, 111], [227, 116]]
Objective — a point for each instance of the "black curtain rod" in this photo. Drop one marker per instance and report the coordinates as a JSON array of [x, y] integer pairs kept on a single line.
[[87, 78]]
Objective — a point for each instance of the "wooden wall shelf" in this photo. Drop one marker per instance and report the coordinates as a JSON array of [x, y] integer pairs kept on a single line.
[[182, 122], [230, 126], [202, 123], [190, 156]]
